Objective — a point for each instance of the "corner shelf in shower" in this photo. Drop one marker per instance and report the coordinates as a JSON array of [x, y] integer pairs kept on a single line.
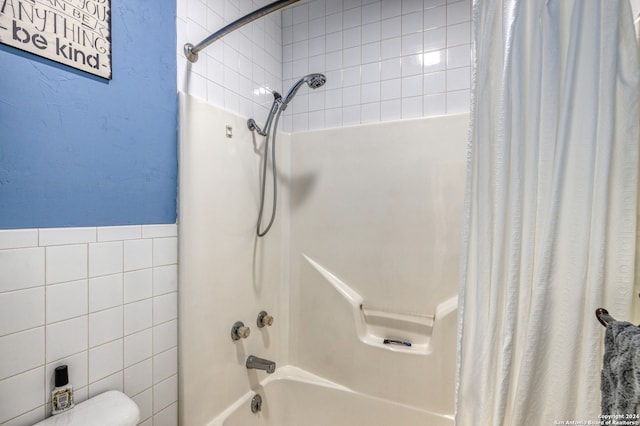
[[375, 324]]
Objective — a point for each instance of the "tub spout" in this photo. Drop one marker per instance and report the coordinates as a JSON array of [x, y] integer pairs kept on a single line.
[[260, 364]]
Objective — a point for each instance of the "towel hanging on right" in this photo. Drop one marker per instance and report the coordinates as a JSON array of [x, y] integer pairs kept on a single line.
[[620, 380]]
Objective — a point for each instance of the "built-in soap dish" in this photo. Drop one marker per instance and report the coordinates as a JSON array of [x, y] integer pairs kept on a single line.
[[397, 331]]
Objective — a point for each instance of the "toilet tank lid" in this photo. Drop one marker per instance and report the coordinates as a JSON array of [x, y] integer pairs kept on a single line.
[[112, 408]]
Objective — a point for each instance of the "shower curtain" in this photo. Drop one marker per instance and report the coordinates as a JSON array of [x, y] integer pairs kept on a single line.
[[550, 210]]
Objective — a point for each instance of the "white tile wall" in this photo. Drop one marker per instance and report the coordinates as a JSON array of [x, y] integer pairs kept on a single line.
[[101, 300], [384, 60], [372, 52], [238, 71]]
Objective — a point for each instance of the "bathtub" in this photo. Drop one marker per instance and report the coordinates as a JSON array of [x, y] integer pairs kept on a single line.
[[294, 397]]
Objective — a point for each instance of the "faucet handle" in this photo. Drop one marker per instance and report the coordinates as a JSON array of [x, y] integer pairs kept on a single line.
[[239, 331], [264, 319]]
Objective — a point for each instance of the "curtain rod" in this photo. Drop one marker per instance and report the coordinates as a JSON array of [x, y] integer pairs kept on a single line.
[[191, 51]]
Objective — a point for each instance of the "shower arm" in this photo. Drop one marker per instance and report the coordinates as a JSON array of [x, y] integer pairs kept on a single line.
[[191, 51]]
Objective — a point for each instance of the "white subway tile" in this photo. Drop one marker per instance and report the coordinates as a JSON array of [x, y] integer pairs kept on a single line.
[[370, 113], [139, 285], [316, 120], [105, 292], [138, 377], [167, 416], [165, 336], [317, 63], [352, 18], [21, 310], [391, 28], [66, 263], [434, 61], [351, 76], [390, 9], [165, 251], [371, 52], [22, 351], [105, 360], [316, 9], [105, 326], [371, 72], [351, 115], [435, 105], [412, 65], [287, 17], [390, 110], [333, 23], [433, 3], [105, 258], [412, 23], [350, 4], [458, 79], [371, 32], [29, 418], [351, 37], [60, 236], [317, 30], [458, 12], [138, 254], [370, 93], [412, 107], [391, 89], [300, 122], [139, 346], [165, 393], [459, 56], [412, 87], [351, 56], [315, 47], [67, 300], [21, 268], [144, 401], [66, 338], [22, 393], [458, 34], [391, 48], [435, 39], [458, 102], [18, 238], [333, 117], [412, 43], [165, 308], [112, 382], [409, 6], [165, 365], [300, 14], [78, 367], [435, 82], [300, 32], [435, 18], [351, 95], [390, 69], [138, 316], [371, 13], [115, 233]]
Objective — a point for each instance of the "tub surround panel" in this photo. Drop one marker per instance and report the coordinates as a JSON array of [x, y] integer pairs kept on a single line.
[[227, 274], [101, 300], [375, 216]]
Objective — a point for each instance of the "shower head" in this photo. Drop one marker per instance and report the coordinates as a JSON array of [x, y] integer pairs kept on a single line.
[[313, 80]]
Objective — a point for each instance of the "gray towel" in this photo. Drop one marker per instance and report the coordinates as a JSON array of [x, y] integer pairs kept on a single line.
[[620, 383]]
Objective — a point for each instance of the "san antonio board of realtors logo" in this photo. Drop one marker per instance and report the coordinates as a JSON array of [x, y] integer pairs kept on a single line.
[[76, 33]]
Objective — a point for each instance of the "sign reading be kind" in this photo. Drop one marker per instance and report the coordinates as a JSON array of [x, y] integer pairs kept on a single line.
[[76, 33]]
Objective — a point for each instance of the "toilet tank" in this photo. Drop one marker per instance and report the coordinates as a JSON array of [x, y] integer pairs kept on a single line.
[[112, 408]]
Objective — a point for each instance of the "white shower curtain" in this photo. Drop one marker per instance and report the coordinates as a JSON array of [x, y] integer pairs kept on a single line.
[[550, 212]]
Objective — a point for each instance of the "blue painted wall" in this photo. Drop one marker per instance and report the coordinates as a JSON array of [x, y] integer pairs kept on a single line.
[[77, 150]]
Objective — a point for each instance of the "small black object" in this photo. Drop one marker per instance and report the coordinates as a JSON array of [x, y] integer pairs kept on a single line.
[[61, 376], [396, 342]]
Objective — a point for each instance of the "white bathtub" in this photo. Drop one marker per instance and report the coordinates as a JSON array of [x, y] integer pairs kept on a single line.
[[294, 397]]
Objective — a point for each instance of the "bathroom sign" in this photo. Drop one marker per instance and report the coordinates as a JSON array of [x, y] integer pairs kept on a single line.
[[76, 33]]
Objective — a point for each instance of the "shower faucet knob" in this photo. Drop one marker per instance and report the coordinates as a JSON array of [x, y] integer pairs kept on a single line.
[[239, 331], [264, 319]]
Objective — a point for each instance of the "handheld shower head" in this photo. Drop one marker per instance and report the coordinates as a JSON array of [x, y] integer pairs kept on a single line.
[[313, 80]]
